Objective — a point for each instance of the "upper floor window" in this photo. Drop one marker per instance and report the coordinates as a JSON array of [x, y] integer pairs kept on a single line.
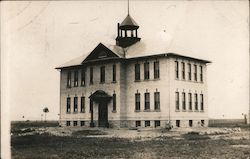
[[137, 72], [114, 102], [183, 70], [114, 73], [68, 105], [146, 70], [189, 72], [201, 74], [75, 104], [157, 100], [195, 72], [190, 100], [82, 104], [137, 101], [91, 75], [202, 102], [83, 77], [176, 69], [102, 74], [196, 101], [69, 79], [147, 101], [177, 101], [183, 100], [76, 78], [156, 70]]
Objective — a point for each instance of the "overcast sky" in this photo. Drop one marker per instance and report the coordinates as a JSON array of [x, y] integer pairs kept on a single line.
[[38, 36]]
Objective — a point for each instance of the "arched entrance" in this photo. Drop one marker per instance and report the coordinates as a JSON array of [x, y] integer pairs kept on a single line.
[[102, 99]]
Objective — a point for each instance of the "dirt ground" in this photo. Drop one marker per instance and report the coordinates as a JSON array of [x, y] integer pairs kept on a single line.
[[51, 141]]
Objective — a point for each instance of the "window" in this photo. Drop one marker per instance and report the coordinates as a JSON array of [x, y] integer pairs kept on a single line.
[[195, 72], [190, 100], [137, 101], [202, 122], [147, 101], [137, 123], [68, 123], [102, 74], [177, 123], [147, 123], [183, 70], [189, 72], [190, 123], [196, 101], [82, 104], [202, 103], [137, 72], [114, 102], [91, 75], [68, 105], [83, 77], [75, 78], [114, 73], [157, 100], [156, 70], [75, 104], [146, 70], [177, 102], [183, 101], [82, 123], [69, 79], [201, 74], [75, 123], [157, 123], [176, 69]]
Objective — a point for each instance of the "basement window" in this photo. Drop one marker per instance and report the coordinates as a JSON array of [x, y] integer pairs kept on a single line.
[[68, 123], [82, 123], [75, 123], [157, 123], [178, 123], [137, 123], [190, 123], [147, 123]]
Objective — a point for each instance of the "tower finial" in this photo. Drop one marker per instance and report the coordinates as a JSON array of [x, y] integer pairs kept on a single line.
[[128, 7]]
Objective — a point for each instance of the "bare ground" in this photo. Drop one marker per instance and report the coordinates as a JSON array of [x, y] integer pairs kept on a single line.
[[57, 142]]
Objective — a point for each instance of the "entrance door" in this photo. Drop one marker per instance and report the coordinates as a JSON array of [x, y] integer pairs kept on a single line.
[[103, 115]]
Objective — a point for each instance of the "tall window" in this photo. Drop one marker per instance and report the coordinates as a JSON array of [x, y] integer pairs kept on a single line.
[[156, 70], [68, 105], [147, 101], [183, 101], [76, 78], [183, 70], [201, 74], [75, 104], [146, 70], [189, 72], [83, 77], [82, 104], [114, 102], [196, 101], [195, 72], [157, 100], [177, 101], [69, 79], [190, 100], [102, 74], [114, 73], [137, 101], [137, 72], [176, 69], [91, 75], [202, 102]]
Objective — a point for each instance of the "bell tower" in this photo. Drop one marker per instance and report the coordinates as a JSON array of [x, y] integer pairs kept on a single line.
[[127, 32]]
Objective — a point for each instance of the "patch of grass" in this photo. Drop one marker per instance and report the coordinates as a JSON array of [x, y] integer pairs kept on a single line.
[[88, 132], [195, 136]]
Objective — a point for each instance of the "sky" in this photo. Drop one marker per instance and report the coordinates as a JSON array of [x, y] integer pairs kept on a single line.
[[38, 36]]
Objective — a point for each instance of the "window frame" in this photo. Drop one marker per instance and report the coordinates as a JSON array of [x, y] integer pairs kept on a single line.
[[114, 103], [102, 74], [177, 101], [91, 75], [146, 71], [195, 72], [147, 123], [196, 102], [189, 71], [137, 72], [157, 100], [75, 104], [201, 102], [137, 101], [176, 69], [83, 77], [69, 79], [76, 78], [156, 69], [68, 105], [147, 101], [183, 70], [114, 72], [82, 109], [190, 101]]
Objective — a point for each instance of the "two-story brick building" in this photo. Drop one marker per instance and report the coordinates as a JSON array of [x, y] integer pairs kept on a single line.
[[123, 86]]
